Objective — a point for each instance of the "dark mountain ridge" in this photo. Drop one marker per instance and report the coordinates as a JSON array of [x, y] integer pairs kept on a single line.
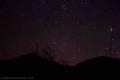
[[34, 65], [31, 64]]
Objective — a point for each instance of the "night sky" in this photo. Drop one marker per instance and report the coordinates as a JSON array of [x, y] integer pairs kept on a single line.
[[74, 30]]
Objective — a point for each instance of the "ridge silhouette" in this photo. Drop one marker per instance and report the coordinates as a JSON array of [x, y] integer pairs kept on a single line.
[[31, 64], [34, 65]]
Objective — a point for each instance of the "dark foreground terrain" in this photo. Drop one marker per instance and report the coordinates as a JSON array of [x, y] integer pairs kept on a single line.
[[38, 68]]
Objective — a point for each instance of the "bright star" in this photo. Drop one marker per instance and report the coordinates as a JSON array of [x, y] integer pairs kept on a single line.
[[111, 29]]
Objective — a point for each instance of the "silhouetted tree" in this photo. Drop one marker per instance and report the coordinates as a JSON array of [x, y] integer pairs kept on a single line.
[[47, 51]]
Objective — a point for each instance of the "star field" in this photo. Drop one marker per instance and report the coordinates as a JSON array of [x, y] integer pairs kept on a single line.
[[75, 30]]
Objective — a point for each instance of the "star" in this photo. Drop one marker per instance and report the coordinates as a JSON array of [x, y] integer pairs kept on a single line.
[[111, 29]]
